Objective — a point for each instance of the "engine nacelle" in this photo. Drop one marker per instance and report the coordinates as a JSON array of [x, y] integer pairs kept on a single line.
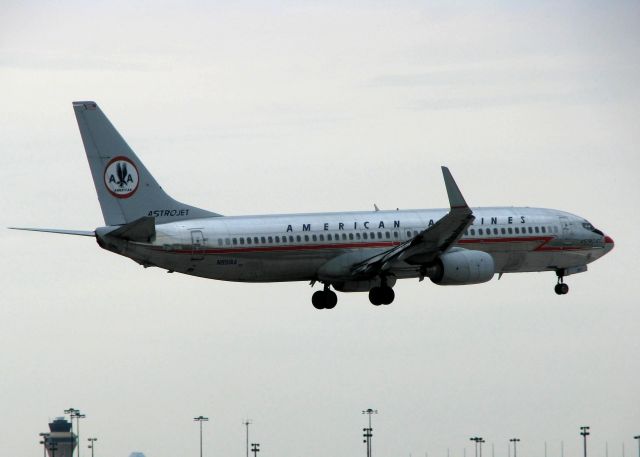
[[462, 266]]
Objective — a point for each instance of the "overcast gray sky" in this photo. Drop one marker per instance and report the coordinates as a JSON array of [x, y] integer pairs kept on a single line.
[[261, 107]]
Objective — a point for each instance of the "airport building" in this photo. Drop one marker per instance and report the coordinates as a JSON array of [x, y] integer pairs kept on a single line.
[[60, 441]]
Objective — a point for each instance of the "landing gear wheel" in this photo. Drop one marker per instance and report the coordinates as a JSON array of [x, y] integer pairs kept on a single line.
[[375, 296], [561, 288], [383, 295], [387, 295], [317, 299], [331, 299], [324, 299]]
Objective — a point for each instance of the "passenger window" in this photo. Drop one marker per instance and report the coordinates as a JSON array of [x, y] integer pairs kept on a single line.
[[365, 236], [344, 236], [408, 234], [517, 231], [241, 240], [277, 239], [357, 235], [270, 239], [315, 238], [530, 229], [495, 231], [479, 231], [387, 235], [235, 241], [264, 240], [473, 232], [329, 237], [321, 237], [248, 240], [379, 235], [256, 240], [503, 230], [537, 229], [415, 233], [227, 241], [395, 234], [350, 236], [543, 230], [298, 238], [306, 237], [466, 232], [510, 231]]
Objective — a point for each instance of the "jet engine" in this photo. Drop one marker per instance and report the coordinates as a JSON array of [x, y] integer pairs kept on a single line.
[[462, 266]]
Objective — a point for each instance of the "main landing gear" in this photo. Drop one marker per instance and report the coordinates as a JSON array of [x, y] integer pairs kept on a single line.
[[561, 288], [381, 295], [324, 299]]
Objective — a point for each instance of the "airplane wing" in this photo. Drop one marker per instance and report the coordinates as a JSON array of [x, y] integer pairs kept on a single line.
[[429, 243]]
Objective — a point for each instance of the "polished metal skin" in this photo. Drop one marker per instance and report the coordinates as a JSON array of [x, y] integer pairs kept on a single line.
[[366, 251]]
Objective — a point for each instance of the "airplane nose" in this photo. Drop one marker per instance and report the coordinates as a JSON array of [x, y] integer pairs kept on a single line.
[[608, 242]]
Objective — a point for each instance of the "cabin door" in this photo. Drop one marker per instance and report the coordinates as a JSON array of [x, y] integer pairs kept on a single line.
[[197, 244]]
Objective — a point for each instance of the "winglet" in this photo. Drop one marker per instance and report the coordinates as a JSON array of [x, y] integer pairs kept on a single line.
[[456, 200]]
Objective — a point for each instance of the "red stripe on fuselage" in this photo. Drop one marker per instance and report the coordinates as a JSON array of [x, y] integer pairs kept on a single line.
[[380, 244]]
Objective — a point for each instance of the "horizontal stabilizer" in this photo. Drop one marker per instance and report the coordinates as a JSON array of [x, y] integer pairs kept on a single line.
[[63, 232], [143, 230]]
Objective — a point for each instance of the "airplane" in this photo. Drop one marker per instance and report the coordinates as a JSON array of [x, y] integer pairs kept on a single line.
[[363, 251]]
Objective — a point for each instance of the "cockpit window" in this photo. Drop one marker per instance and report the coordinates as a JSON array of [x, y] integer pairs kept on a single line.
[[591, 228]]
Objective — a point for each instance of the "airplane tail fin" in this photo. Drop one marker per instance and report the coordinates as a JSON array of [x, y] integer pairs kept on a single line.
[[126, 190]]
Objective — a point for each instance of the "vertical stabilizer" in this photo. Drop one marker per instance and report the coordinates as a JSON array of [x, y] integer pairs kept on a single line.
[[126, 190]]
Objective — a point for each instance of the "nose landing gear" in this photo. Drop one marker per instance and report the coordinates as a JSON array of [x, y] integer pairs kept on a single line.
[[324, 299], [561, 288]]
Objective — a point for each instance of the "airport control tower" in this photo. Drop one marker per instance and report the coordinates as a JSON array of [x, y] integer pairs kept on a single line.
[[61, 441]]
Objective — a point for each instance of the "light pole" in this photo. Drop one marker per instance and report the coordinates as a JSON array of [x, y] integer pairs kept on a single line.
[[78, 415], [637, 437], [92, 444], [369, 432], [584, 432], [71, 412], [246, 423], [515, 441], [200, 419], [255, 448], [481, 441], [476, 440]]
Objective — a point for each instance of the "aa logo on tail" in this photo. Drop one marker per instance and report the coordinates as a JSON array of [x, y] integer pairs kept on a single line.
[[121, 177]]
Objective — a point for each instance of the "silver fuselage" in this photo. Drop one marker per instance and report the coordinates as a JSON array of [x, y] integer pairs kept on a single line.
[[292, 247]]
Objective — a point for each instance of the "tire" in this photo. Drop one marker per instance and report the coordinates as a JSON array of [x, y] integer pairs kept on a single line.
[[331, 299], [387, 295], [375, 296], [564, 289], [318, 299]]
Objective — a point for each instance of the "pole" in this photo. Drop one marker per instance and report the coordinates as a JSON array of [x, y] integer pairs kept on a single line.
[[246, 423], [584, 432], [201, 419], [369, 431], [92, 445], [637, 437]]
